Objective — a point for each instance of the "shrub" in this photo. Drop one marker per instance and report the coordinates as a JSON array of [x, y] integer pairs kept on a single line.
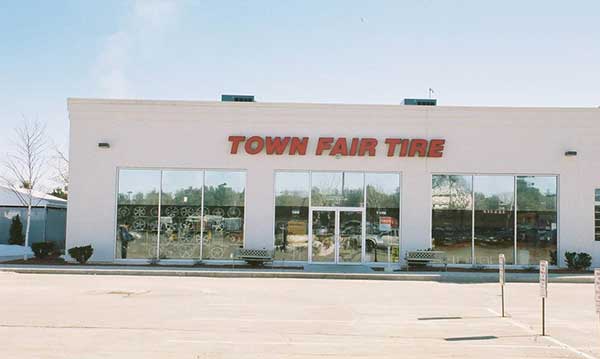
[[584, 261], [16, 231], [44, 250], [578, 261], [81, 254]]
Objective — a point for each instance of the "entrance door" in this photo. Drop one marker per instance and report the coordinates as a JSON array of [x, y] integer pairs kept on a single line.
[[350, 229], [337, 235]]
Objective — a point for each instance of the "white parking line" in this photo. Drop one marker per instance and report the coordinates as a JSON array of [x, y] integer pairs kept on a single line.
[[254, 320], [549, 338]]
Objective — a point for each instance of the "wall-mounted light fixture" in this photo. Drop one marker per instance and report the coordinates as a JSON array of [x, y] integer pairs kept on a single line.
[[570, 153], [103, 144]]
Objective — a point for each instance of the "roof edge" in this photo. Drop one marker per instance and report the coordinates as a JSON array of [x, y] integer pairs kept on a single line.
[[200, 103]]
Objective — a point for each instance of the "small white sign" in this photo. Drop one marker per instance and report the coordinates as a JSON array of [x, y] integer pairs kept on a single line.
[[544, 279], [597, 288], [501, 262]]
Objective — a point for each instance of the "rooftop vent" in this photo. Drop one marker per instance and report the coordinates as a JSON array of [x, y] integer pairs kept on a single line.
[[237, 98], [420, 101]]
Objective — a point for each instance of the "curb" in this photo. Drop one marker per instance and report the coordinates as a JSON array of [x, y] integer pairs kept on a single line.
[[443, 277], [225, 274]]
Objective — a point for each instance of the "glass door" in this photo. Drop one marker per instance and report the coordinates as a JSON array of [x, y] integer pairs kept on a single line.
[[323, 236], [350, 235], [337, 235]]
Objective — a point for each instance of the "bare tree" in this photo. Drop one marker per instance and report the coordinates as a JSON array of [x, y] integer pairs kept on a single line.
[[61, 168], [26, 166]]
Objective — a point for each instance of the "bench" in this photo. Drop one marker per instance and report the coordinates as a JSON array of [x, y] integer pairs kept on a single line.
[[255, 257], [426, 257]]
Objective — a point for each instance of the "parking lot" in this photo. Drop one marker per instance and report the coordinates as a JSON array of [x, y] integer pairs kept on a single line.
[[80, 316]]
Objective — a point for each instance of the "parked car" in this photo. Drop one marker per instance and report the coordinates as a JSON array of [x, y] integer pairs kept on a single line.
[[382, 240]]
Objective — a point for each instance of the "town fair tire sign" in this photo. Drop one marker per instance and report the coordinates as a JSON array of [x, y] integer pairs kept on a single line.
[[337, 146]]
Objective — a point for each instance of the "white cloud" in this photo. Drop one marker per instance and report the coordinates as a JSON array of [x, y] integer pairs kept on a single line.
[[142, 31]]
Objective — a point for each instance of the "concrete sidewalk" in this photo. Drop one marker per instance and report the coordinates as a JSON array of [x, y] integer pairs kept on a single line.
[[310, 272]]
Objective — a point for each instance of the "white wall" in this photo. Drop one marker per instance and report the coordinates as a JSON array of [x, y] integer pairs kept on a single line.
[[169, 134]]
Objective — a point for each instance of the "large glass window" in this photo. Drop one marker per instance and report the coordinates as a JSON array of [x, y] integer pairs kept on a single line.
[[383, 213], [490, 225], [536, 219], [494, 218], [452, 216], [223, 213], [192, 219], [363, 209], [326, 189], [344, 189], [137, 214], [291, 216], [353, 189], [180, 214]]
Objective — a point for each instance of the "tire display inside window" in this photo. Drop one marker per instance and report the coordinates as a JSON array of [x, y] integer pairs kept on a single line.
[[201, 214]]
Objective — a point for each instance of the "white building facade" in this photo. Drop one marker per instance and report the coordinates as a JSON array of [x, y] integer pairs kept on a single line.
[[186, 181]]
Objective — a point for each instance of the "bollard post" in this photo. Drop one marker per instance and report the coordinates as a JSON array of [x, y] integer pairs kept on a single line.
[[501, 277], [544, 292]]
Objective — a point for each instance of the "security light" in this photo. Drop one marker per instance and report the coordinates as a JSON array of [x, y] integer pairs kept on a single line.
[[103, 144], [571, 153]]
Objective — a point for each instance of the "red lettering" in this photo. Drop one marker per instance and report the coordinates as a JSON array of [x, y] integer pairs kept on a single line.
[[403, 148], [436, 148], [235, 142], [353, 147], [367, 145], [392, 142], [324, 143], [298, 146], [417, 146], [276, 145], [254, 145], [339, 148]]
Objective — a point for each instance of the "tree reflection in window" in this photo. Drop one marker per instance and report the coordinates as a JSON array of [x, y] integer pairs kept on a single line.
[[536, 219], [291, 216], [223, 218], [452, 216]]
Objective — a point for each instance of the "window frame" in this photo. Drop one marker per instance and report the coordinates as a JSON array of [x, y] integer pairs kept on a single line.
[[515, 176], [161, 170], [363, 208]]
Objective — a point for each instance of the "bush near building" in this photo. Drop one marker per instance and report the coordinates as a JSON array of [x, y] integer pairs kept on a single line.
[[578, 261], [44, 250], [81, 254]]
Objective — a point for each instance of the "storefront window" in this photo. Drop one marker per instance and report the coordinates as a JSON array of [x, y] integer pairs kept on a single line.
[[383, 213], [223, 213], [536, 219], [494, 218], [344, 189], [291, 216], [326, 189], [452, 211], [338, 231], [353, 189], [181, 214], [137, 214], [183, 217]]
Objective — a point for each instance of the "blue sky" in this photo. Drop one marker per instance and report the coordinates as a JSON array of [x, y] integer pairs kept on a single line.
[[514, 53]]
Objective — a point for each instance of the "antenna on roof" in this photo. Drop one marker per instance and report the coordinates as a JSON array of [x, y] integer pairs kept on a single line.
[[431, 92]]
